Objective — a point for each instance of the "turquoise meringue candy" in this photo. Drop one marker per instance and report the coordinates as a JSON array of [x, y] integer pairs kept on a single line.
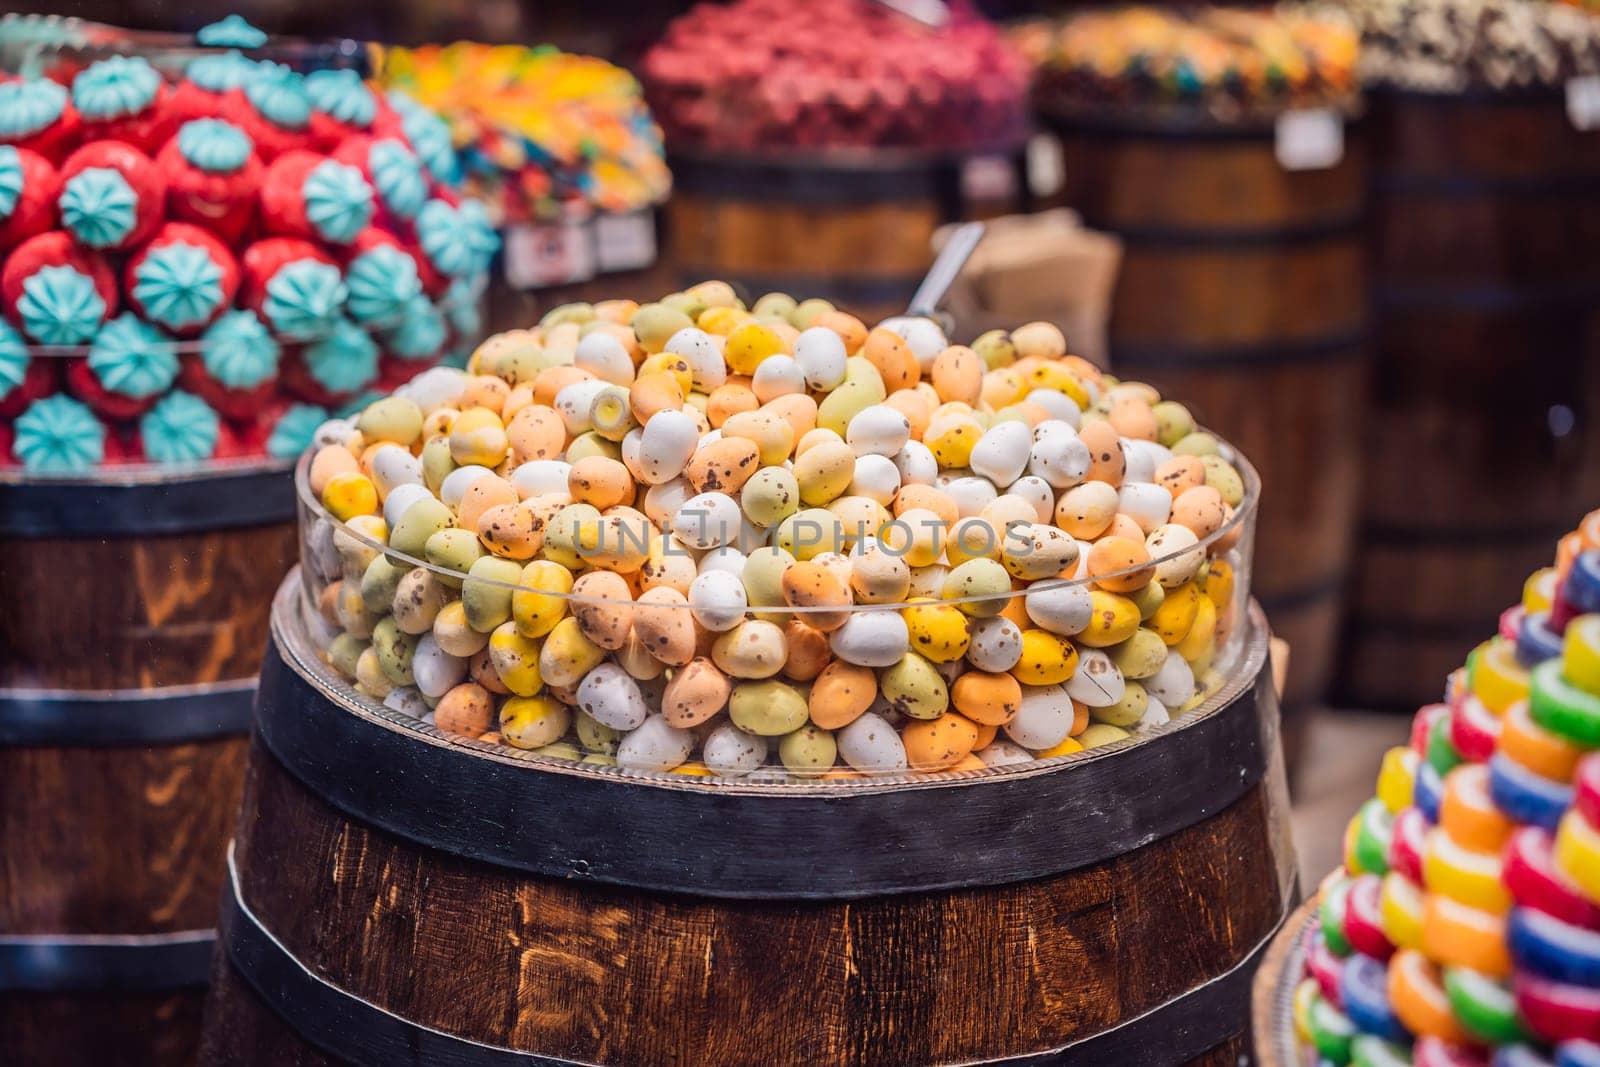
[[115, 88], [239, 351], [342, 96], [10, 180], [60, 306], [459, 241], [231, 32], [59, 435], [28, 106], [178, 285], [430, 135], [14, 359], [463, 304], [279, 94], [397, 173], [214, 146], [132, 357], [345, 360], [99, 207], [420, 333], [220, 73], [381, 281], [304, 300], [295, 431], [338, 201], [181, 428]]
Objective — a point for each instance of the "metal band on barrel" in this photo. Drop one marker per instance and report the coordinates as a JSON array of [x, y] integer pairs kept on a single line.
[[362, 1033], [55, 963], [146, 503], [88, 719], [733, 839]]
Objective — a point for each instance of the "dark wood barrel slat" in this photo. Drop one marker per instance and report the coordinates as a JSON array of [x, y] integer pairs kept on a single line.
[[1243, 293], [854, 228], [1042, 970], [135, 611], [1483, 434]]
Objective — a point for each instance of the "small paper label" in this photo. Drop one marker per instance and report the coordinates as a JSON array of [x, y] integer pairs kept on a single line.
[[548, 254], [1309, 140], [988, 178], [1583, 102], [1046, 169], [625, 242]]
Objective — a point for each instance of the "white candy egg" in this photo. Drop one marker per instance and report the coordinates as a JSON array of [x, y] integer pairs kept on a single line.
[[1064, 609], [400, 498], [726, 558], [1044, 719], [1003, 753], [1146, 503], [1038, 493], [871, 639], [729, 751], [612, 698], [1059, 405], [668, 441], [971, 494], [1141, 459], [435, 670], [876, 478], [458, 481], [1001, 454], [1097, 682], [706, 366], [1173, 682], [916, 464], [996, 644], [407, 700], [777, 375], [574, 402], [540, 476], [821, 355], [393, 466], [434, 388], [871, 745], [878, 430], [662, 501], [924, 337], [707, 520], [602, 355], [1172, 540], [718, 600], [1060, 459], [654, 746]]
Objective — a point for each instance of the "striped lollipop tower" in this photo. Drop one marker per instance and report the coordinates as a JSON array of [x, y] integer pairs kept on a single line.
[[1464, 926]]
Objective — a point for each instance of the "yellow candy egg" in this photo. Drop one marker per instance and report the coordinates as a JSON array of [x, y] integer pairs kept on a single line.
[[1112, 620], [1047, 659], [349, 494], [938, 631]]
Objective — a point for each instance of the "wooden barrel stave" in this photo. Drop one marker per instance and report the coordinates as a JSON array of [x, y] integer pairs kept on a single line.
[[574, 970], [124, 698], [1483, 439], [1243, 294]]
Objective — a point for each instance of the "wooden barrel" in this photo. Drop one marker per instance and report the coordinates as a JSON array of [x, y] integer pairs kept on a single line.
[[1272, 999], [133, 611], [1243, 295], [402, 897], [1483, 435], [853, 227]]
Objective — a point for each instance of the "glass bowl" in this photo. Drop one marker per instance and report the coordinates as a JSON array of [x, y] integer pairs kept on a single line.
[[550, 722]]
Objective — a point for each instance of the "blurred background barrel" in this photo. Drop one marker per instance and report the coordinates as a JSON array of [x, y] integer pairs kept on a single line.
[[1486, 217], [133, 611], [1243, 294], [851, 226], [379, 912]]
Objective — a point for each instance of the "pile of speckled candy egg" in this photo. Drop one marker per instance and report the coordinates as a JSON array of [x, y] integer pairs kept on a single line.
[[1464, 926], [690, 536], [205, 253]]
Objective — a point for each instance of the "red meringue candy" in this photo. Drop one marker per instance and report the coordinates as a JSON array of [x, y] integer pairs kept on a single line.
[[223, 203], [264, 258], [56, 139], [433, 282], [54, 248], [35, 209], [293, 178], [40, 380], [138, 170], [187, 305], [146, 131]]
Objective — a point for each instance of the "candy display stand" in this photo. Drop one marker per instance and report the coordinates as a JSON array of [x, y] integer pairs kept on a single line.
[[1272, 999], [1243, 289], [1488, 343], [855, 227], [135, 610], [963, 917]]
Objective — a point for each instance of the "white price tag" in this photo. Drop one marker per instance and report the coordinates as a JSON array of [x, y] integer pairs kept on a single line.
[[548, 254], [1046, 168], [1583, 102], [988, 178], [1309, 140], [625, 242]]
